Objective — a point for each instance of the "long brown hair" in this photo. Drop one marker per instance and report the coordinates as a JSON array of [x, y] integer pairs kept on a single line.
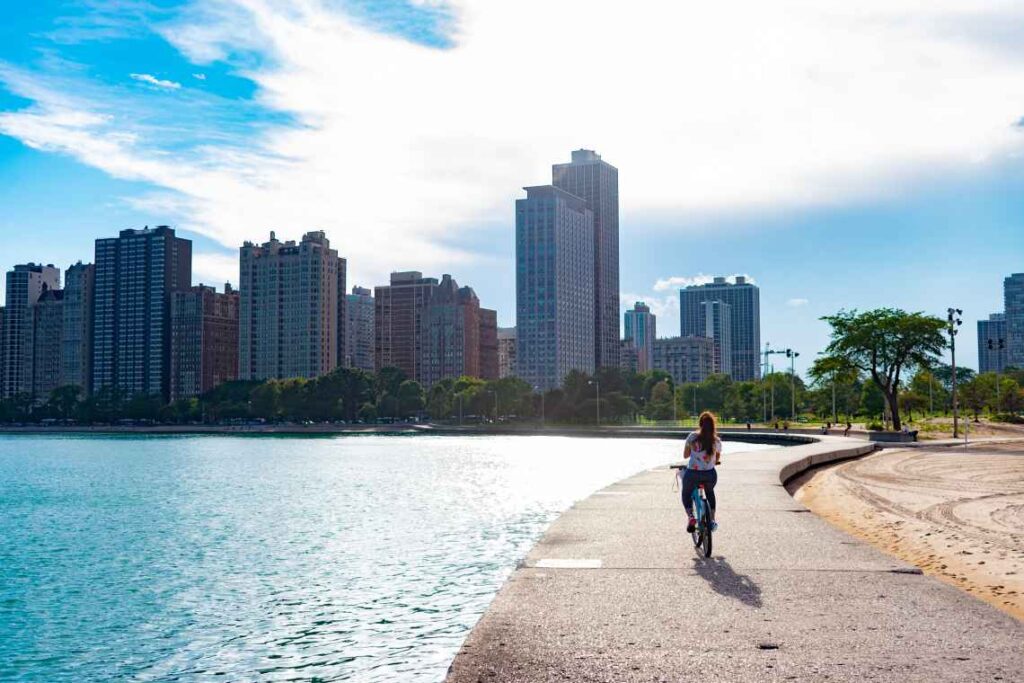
[[708, 432]]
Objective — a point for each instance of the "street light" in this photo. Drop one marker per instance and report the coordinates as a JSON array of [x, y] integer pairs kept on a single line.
[[953, 323], [597, 385], [791, 355], [997, 344]]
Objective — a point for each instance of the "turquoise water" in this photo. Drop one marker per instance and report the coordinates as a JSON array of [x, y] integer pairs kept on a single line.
[[214, 558]]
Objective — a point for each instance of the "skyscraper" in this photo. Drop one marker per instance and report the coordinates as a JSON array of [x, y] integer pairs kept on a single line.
[[288, 308], [554, 286], [597, 183], [687, 359], [450, 334], [135, 275], [718, 326], [341, 337], [398, 321], [992, 343], [45, 343], [26, 283], [641, 331], [1013, 298], [204, 340], [744, 301], [506, 352], [359, 329], [76, 350], [489, 344]]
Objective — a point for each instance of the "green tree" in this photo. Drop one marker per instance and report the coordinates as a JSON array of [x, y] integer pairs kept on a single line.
[[63, 401], [885, 343], [659, 407], [266, 400]]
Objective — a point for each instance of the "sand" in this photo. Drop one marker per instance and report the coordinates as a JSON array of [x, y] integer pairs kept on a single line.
[[957, 515]]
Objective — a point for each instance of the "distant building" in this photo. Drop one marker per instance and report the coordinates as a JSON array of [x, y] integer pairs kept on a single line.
[[136, 272], [2, 309], [506, 352], [992, 343], [288, 308], [1013, 297], [26, 283], [204, 340], [641, 331], [597, 183], [341, 335], [629, 357], [76, 349], [359, 329], [743, 299], [398, 321], [718, 326], [46, 343], [554, 287], [686, 359], [489, 368], [450, 334]]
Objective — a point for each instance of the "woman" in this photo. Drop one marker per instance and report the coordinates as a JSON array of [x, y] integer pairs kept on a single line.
[[704, 450]]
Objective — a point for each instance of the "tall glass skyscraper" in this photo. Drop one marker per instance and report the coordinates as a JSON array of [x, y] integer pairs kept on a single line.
[[744, 301], [1013, 301], [76, 351], [136, 272], [554, 286], [992, 343], [640, 332], [597, 183]]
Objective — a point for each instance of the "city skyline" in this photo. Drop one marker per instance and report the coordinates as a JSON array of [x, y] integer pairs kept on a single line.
[[216, 132]]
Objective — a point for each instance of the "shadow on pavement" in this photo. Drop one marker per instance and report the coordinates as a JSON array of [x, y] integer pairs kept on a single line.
[[724, 580]]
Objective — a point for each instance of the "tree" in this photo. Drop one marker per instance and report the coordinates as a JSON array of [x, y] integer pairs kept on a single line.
[[266, 400], [659, 407], [410, 398], [885, 343], [63, 401], [974, 394], [837, 376]]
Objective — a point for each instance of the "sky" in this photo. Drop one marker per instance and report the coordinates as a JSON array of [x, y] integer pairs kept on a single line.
[[843, 155]]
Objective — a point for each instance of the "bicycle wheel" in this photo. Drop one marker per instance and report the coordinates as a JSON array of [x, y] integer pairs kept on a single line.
[[706, 526], [698, 513]]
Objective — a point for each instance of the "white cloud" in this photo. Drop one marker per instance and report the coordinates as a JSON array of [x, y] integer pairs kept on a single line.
[[797, 303], [675, 282], [665, 309], [199, 77], [397, 150], [214, 269], [153, 80]]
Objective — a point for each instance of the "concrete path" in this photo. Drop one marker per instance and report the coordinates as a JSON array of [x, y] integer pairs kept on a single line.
[[614, 591]]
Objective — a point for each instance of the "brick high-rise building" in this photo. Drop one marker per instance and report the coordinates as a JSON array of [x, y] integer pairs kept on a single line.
[[136, 272], [597, 183], [342, 315], [359, 329], [204, 340], [45, 342], [744, 302], [489, 368], [26, 283], [288, 308], [450, 334], [555, 295], [398, 321], [76, 349]]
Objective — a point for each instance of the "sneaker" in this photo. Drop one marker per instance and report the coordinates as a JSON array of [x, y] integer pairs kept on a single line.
[[714, 526], [691, 524]]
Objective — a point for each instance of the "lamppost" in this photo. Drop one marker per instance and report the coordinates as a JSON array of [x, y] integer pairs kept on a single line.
[[597, 385], [993, 345], [953, 323], [791, 355], [460, 408]]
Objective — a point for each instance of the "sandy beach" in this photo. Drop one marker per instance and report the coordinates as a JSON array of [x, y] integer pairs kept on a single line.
[[957, 514]]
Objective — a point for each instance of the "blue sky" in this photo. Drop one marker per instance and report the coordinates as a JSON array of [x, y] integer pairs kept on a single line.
[[842, 157]]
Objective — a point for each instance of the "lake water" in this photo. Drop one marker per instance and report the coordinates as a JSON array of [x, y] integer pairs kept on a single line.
[[214, 558]]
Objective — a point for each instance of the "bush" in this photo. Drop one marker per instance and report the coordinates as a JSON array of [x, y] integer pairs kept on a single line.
[[1008, 417], [875, 427]]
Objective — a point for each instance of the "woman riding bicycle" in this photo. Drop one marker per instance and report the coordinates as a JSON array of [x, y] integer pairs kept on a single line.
[[704, 450]]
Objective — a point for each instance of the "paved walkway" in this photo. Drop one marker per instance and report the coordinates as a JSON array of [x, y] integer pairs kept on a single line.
[[615, 592]]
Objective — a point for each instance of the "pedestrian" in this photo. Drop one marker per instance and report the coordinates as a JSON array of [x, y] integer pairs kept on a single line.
[[846, 432]]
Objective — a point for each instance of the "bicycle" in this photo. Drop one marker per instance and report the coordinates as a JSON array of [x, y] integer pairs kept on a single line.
[[702, 513]]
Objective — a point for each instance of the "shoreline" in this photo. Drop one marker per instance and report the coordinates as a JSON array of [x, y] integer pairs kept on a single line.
[[955, 524]]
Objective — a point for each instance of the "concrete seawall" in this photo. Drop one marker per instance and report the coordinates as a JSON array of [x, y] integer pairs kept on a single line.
[[615, 592]]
